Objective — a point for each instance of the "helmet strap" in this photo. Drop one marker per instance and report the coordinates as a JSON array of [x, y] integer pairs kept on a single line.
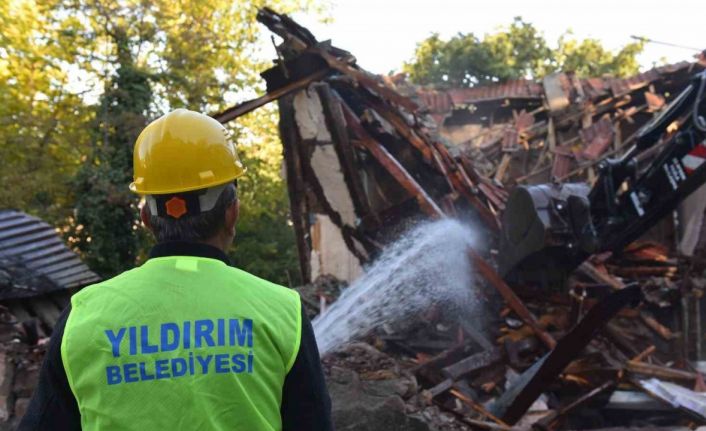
[[185, 204]]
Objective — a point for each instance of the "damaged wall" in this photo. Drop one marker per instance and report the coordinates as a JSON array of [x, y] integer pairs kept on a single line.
[[329, 202]]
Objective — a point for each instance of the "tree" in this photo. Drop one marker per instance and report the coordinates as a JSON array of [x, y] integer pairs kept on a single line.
[[264, 243], [161, 54], [105, 210], [517, 51], [100, 70], [589, 58], [43, 133]]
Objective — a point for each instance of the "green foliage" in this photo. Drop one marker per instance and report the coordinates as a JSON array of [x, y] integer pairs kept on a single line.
[[589, 58], [265, 243], [80, 78], [42, 123], [517, 51], [106, 212]]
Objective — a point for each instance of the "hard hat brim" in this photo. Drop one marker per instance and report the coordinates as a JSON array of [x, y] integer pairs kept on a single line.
[[136, 189]]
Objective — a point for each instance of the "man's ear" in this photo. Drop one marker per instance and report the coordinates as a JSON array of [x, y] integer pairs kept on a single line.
[[232, 214], [145, 217]]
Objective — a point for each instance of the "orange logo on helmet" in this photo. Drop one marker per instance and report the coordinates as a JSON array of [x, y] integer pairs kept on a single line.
[[176, 207]]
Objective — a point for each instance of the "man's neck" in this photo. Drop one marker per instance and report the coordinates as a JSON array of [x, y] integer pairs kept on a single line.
[[220, 243]]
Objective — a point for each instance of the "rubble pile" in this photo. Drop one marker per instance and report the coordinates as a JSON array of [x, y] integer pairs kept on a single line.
[[21, 354], [619, 344], [366, 157]]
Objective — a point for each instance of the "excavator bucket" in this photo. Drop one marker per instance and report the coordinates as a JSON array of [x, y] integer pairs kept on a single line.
[[542, 227]]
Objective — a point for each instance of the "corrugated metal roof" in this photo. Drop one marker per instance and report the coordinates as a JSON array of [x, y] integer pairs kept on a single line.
[[597, 138], [621, 86], [443, 101], [435, 101], [35, 259], [563, 162], [515, 89]]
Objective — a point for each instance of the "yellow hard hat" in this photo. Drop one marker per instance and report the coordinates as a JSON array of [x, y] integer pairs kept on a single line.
[[183, 151]]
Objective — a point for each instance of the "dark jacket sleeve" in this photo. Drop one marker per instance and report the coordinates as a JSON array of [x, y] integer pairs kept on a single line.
[[305, 400], [53, 405]]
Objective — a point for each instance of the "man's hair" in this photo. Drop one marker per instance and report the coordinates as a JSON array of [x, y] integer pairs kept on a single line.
[[194, 228]]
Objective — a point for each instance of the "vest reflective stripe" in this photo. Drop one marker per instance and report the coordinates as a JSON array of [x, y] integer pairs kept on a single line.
[[181, 343]]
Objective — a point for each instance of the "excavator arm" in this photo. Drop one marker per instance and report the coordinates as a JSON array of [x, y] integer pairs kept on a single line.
[[549, 229]]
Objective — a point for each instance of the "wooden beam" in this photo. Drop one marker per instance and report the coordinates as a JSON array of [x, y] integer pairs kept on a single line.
[[590, 271], [390, 164], [406, 131], [367, 81], [477, 407], [513, 301], [472, 363], [657, 327], [502, 167], [664, 373], [464, 185], [291, 143], [250, 105]]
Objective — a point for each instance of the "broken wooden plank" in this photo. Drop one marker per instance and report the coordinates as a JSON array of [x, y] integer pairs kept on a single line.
[[477, 407], [295, 184], [551, 421], [465, 185], [476, 335], [440, 388], [441, 359], [502, 167], [250, 105], [657, 327], [472, 363], [644, 354], [367, 81], [404, 129], [513, 404], [391, 164], [660, 372], [618, 338], [513, 301], [587, 269]]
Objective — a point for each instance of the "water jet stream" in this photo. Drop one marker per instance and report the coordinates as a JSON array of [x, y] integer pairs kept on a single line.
[[428, 265]]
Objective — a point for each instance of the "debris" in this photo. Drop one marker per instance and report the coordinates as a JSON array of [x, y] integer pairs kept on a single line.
[[366, 157], [515, 401], [677, 396]]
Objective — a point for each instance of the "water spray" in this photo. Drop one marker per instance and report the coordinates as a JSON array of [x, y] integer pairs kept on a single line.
[[428, 265]]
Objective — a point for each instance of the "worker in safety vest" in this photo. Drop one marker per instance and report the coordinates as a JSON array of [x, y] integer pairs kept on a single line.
[[185, 341]]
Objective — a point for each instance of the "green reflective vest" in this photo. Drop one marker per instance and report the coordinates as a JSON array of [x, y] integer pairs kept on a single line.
[[181, 343]]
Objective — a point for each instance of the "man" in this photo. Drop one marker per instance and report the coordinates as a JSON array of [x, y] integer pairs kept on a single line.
[[183, 342]]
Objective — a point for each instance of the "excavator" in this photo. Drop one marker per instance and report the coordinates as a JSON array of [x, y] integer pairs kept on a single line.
[[550, 229]]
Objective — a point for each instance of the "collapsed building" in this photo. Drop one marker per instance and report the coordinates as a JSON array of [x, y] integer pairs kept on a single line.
[[367, 156]]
